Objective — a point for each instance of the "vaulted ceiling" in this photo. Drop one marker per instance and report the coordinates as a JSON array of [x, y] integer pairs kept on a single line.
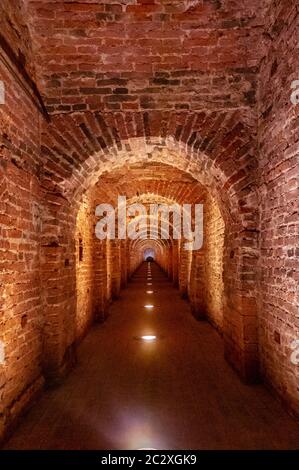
[[142, 54]]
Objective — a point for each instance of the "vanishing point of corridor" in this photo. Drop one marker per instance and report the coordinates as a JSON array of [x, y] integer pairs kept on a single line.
[[171, 390]]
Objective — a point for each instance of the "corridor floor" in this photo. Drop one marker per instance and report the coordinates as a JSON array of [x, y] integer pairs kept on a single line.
[[176, 392]]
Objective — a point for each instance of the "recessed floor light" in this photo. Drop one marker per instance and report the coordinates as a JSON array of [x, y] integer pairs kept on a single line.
[[149, 284], [148, 337], [149, 306], [149, 291], [147, 448]]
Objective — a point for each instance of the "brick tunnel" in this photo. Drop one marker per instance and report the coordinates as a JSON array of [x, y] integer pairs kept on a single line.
[[161, 103]]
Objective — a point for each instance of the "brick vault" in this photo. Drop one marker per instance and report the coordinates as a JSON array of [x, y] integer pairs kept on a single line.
[[163, 102]]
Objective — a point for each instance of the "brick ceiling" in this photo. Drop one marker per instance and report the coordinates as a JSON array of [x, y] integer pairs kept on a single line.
[[149, 183], [142, 54], [169, 82]]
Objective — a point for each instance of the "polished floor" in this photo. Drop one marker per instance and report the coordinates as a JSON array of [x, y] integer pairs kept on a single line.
[[176, 392]]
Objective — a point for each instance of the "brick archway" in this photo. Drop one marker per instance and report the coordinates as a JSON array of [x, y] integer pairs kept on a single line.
[[226, 168]]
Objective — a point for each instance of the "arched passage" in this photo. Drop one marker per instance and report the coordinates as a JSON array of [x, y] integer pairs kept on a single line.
[[94, 91], [231, 193], [149, 254]]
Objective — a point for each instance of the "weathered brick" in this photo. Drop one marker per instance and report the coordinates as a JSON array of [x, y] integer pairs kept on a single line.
[[158, 100]]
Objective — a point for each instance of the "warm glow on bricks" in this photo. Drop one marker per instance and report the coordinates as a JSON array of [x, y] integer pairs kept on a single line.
[[166, 103]]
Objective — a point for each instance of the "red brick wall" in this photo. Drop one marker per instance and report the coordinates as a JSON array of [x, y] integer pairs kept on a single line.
[[115, 269], [139, 83], [84, 267], [137, 56], [185, 260], [278, 142], [213, 262], [100, 292], [197, 294], [21, 313], [206, 286], [15, 30]]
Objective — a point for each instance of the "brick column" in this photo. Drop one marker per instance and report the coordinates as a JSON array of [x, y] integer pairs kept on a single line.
[[115, 268], [197, 285]]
